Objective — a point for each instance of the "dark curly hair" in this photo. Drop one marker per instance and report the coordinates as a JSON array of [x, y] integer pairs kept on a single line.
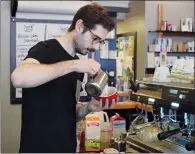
[[91, 15]]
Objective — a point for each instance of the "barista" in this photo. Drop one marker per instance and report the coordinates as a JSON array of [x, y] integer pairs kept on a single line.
[[51, 77]]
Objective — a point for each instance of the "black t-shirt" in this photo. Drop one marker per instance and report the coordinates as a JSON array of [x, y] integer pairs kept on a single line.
[[49, 110]]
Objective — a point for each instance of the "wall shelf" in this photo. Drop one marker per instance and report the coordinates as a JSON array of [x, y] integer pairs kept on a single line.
[[178, 53], [174, 33], [107, 59], [130, 105], [124, 94]]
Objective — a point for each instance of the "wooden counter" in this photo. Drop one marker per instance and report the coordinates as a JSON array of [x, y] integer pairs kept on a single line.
[[149, 107]]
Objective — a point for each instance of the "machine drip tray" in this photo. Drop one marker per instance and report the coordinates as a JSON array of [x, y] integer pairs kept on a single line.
[[165, 146]]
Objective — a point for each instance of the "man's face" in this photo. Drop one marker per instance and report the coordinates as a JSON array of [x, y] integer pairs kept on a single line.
[[90, 40]]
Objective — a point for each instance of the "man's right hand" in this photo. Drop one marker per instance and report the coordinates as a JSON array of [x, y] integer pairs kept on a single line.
[[87, 66]]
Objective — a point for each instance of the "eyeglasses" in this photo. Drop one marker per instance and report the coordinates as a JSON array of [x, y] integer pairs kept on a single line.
[[96, 39]]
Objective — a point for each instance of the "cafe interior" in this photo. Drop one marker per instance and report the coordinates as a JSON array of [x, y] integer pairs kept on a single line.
[[148, 68]]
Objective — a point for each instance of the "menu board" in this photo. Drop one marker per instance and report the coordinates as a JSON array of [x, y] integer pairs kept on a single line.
[[29, 34], [56, 30], [21, 52]]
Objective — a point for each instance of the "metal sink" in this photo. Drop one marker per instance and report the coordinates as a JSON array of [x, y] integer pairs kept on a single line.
[[164, 146]]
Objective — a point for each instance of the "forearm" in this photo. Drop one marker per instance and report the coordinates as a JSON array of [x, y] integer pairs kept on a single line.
[[82, 112], [32, 74]]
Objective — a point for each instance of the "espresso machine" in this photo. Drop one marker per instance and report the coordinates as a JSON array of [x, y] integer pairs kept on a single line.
[[173, 107]]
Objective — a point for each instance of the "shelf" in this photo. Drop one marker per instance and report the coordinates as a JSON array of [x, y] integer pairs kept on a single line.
[[161, 31], [107, 59], [149, 93], [175, 33], [178, 53], [124, 94], [130, 105]]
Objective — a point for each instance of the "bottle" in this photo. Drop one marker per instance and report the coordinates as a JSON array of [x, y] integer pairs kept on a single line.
[[80, 136], [82, 142]]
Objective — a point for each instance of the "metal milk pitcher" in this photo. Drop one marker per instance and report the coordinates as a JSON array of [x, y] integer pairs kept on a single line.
[[98, 83]]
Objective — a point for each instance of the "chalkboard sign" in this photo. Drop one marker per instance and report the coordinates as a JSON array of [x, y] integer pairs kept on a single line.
[[25, 34]]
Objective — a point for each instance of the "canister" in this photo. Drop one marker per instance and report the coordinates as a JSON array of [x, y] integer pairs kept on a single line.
[[120, 145]]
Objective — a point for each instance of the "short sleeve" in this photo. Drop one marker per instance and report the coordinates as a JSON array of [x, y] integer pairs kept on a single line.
[[41, 52]]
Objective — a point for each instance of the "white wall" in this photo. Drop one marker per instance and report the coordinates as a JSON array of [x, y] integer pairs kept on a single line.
[[10, 114], [172, 12], [58, 9]]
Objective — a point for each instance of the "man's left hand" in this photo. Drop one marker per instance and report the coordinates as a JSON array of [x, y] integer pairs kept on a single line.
[[97, 106]]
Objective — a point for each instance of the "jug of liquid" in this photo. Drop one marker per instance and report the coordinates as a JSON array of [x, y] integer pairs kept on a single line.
[[98, 83]]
